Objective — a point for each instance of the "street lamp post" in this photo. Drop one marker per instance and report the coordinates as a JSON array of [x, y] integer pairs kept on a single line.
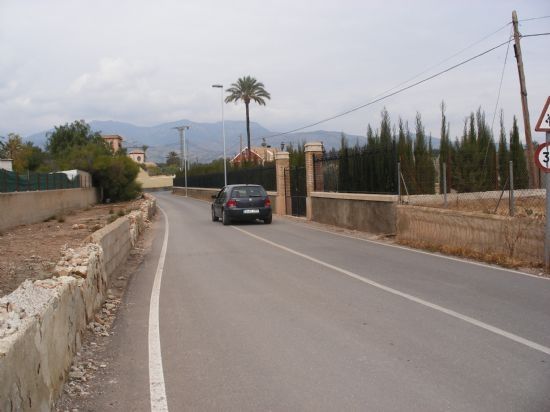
[[183, 152], [220, 86]]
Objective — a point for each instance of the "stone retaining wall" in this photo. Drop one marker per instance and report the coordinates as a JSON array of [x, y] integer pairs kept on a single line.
[[115, 242], [41, 322]]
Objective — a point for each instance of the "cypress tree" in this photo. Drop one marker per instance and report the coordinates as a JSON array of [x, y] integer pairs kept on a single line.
[[503, 154], [462, 159], [343, 165], [487, 171], [356, 175], [425, 172], [517, 155], [387, 173], [406, 157], [445, 149], [370, 160]]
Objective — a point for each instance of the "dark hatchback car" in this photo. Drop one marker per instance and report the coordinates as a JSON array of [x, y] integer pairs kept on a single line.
[[241, 202]]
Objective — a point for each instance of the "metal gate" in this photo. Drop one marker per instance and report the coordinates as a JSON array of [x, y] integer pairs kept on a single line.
[[298, 190]]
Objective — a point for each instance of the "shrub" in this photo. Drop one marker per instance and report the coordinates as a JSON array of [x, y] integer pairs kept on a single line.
[[116, 176]]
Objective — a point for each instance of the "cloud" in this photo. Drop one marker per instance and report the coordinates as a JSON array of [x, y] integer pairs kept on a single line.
[[137, 62], [113, 75], [8, 89]]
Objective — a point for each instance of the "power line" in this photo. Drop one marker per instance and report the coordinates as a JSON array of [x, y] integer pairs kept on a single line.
[[385, 96], [496, 104], [446, 59], [500, 85], [433, 76], [535, 35], [376, 100], [535, 18]]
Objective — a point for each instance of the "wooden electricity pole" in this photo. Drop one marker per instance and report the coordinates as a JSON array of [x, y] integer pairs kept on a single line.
[[533, 175]]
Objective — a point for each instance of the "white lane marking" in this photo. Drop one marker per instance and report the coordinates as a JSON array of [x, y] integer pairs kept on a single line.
[[472, 321], [156, 373], [423, 252]]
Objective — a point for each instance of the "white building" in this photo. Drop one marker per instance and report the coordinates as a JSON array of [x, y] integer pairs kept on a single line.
[[137, 155], [6, 164]]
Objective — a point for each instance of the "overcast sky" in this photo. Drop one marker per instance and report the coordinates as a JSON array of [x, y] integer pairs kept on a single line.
[[149, 62]]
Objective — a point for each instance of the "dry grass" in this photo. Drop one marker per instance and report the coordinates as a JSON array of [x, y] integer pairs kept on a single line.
[[491, 257], [532, 207]]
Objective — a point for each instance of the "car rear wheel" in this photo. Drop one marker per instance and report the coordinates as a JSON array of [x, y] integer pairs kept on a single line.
[[214, 217], [226, 220], [267, 220]]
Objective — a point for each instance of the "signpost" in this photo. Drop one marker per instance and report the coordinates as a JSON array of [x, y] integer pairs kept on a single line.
[[542, 159]]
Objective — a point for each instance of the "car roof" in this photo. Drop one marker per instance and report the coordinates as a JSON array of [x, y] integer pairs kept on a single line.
[[243, 184]]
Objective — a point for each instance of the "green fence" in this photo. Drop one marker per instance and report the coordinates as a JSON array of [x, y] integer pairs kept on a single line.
[[15, 182]]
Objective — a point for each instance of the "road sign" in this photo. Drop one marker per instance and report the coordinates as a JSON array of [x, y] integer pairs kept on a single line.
[[542, 157], [543, 125]]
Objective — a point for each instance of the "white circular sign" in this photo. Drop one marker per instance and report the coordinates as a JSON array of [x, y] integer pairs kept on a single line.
[[542, 157]]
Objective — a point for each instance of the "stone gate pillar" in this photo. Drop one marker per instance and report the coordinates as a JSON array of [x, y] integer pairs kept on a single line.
[[282, 162], [311, 149]]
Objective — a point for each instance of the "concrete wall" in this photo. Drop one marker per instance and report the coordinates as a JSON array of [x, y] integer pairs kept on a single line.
[[154, 182], [369, 213], [41, 322], [20, 208], [474, 232], [206, 194]]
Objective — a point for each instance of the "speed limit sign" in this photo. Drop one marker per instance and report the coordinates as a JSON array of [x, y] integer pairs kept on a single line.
[[542, 157]]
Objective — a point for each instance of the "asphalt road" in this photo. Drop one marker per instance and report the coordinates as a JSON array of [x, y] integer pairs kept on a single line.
[[285, 317]]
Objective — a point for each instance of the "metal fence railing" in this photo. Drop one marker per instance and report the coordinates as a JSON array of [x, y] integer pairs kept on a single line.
[[474, 182], [504, 191], [265, 176], [367, 172], [17, 182]]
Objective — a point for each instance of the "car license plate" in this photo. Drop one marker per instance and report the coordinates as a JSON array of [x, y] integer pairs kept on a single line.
[[251, 211]]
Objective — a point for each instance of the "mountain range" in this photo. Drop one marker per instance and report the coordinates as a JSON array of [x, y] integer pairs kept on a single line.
[[204, 140]]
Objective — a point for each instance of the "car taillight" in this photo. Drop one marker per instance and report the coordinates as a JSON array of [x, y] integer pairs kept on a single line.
[[231, 203], [267, 202]]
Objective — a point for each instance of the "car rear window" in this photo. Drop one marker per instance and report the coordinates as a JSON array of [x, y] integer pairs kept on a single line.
[[248, 191]]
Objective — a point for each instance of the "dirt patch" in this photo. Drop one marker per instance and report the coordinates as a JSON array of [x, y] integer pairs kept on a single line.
[[32, 251]]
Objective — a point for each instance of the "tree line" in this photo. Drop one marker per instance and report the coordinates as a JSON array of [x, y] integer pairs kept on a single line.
[[473, 161], [75, 146]]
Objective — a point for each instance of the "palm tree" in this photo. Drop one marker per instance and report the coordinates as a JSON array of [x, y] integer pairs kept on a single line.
[[247, 89], [144, 148]]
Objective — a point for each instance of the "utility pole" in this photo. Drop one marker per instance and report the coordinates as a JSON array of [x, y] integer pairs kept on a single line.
[[183, 155], [241, 144], [533, 176]]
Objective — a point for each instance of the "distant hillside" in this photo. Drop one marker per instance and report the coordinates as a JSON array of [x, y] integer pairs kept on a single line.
[[204, 139]]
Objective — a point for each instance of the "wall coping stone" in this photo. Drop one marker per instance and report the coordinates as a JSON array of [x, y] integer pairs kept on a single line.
[[313, 147], [282, 155], [357, 196]]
